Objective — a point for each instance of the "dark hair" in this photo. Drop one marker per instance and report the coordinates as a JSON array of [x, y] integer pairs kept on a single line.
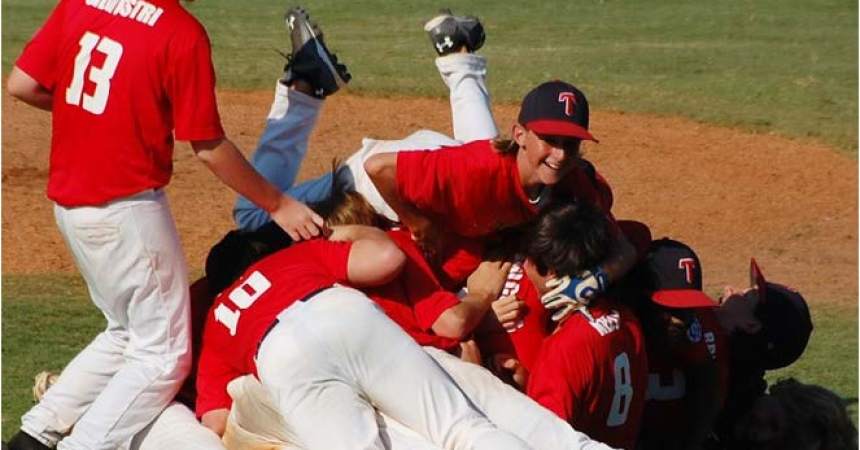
[[238, 249], [568, 238], [815, 415]]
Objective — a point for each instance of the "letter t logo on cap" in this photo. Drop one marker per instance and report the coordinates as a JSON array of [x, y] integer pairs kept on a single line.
[[688, 264], [569, 101]]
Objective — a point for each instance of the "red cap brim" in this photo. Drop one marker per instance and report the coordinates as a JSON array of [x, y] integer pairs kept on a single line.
[[560, 128], [757, 280], [683, 298]]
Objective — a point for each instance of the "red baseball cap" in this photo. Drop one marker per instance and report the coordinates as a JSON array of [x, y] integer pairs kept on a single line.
[[556, 108], [676, 275]]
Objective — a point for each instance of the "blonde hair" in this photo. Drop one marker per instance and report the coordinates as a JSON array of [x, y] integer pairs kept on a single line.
[[505, 145], [351, 208], [348, 207]]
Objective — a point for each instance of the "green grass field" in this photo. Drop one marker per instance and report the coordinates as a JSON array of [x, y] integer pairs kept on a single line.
[[785, 66]]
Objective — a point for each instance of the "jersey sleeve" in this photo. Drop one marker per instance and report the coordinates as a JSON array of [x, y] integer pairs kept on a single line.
[[39, 57], [332, 256], [213, 375], [191, 87], [423, 177], [429, 300], [438, 181]]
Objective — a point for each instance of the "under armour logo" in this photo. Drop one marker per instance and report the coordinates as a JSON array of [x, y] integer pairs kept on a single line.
[[569, 101], [446, 43], [688, 265]]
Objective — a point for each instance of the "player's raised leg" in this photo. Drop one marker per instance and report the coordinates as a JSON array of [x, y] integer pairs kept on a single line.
[[311, 74], [455, 39]]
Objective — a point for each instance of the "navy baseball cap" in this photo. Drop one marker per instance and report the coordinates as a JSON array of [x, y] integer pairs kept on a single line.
[[785, 319], [556, 108], [674, 275]]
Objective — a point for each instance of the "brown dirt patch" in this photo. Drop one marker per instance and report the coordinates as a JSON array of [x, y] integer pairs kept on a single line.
[[729, 194]]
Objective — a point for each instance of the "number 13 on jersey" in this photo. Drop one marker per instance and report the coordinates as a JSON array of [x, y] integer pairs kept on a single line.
[[101, 76]]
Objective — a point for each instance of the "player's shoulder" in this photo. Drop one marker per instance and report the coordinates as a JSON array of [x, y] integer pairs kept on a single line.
[[183, 28], [607, 321]]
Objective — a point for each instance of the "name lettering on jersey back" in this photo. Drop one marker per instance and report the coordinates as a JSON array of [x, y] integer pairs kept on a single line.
[[607, 323], [137, 10]]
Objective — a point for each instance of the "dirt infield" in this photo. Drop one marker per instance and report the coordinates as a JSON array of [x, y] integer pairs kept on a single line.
[[729, 194]]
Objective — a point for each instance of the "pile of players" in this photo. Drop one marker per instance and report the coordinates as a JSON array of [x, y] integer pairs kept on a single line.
[[475, 292]]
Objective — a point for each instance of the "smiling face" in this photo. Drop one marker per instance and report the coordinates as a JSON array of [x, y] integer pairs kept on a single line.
[[544, 160]]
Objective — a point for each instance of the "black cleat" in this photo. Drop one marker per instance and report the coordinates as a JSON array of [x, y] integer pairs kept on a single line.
[[23, 441], [310, 60], [450, 33]]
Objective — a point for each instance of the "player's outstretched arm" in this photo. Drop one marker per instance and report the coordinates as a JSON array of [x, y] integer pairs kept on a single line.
[[382, 169], [374, 258], [25, 88], [223, 158], [484, 286]]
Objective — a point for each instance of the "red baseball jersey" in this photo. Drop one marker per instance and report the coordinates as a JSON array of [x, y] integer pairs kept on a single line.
[[523, 342], [476, 190], [242, 313], [414, 300], [124, 75], [593, 374], [666, 410]]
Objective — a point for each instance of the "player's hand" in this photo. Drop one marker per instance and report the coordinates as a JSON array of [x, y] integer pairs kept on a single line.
[[508, 369], [299, 221], [488, 279], [509, 312], [469, 352]]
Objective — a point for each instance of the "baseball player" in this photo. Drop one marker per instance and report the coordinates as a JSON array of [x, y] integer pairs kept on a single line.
[[592, 369], [687, 349], [476, 189], [294, 113], [325, 351], [768, 326], [122, 81]]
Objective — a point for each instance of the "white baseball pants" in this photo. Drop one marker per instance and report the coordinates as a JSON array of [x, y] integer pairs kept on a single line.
[[176, 428], [256, 424], [128, 253], [330, 360], [465, 74]]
